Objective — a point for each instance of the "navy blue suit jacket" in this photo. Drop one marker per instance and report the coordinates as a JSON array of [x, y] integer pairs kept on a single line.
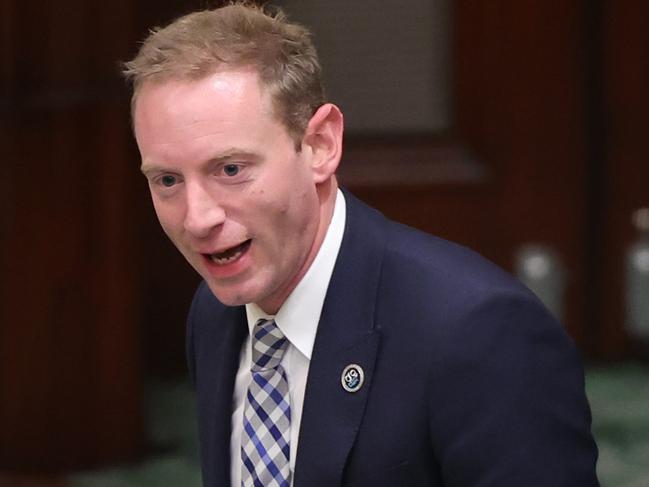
[[468, 380]]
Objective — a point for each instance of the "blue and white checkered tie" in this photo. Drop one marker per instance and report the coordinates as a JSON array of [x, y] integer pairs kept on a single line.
[[267, 412]]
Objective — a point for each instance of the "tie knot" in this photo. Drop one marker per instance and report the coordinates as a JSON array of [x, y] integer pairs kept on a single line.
[[268, 345]]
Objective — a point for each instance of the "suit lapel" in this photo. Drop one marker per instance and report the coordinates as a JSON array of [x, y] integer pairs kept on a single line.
[[226, 351], [346, 335]]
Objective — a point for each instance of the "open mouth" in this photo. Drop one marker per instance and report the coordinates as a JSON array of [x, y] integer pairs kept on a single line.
[[229, 255]]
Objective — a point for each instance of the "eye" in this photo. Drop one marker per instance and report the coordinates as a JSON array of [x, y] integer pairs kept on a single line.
[[231, 169], [168, 180]]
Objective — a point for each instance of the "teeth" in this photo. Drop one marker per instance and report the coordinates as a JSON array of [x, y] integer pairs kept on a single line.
[[229, 255], [226, 260]]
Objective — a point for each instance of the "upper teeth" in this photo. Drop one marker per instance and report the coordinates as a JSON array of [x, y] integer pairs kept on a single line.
[[226, 259]]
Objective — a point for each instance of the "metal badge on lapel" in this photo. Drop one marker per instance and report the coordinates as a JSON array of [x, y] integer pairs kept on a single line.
[[352, 378]]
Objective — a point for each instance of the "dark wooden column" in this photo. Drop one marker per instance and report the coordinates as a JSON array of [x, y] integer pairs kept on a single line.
[[625, 171], [70, 385]]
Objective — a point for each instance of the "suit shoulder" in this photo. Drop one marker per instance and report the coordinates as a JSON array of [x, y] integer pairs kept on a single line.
[[439, 296], [432, 263], [424, 271]]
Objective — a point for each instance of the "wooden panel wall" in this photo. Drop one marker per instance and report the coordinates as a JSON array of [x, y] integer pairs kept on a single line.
[[92, 294], [519, 95], [69, 340]]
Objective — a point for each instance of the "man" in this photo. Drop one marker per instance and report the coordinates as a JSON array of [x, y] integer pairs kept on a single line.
[[330, 346]]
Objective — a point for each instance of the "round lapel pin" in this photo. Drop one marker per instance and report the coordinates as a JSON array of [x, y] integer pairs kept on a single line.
[[352, 378]]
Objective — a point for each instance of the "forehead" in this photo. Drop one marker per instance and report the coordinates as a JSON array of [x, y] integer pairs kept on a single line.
[[193, 119], [225, 88], [227, 97]]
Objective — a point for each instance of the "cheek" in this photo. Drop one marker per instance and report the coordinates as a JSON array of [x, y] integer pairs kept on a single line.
[[284, 205]]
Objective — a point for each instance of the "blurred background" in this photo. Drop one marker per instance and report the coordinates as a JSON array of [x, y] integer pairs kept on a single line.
[[517, 128]]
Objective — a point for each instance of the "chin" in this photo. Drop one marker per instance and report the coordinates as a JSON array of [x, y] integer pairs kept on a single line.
[[227, 298], [230, 297]]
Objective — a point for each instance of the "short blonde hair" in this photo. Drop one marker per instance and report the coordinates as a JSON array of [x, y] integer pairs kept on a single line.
[[237, 35]]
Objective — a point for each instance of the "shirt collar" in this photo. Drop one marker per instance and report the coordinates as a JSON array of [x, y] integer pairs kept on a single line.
[[298, 317]]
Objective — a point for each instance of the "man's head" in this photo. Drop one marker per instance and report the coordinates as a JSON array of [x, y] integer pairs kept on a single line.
[[238, 35], [243, 188]]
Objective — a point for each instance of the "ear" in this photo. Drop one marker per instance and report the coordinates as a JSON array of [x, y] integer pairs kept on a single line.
[[323, 139]]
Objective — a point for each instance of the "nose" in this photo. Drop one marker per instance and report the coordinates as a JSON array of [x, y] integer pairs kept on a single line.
[[204, 212]]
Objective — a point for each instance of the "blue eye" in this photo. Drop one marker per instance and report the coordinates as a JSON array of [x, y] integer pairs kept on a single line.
[[168, 180], [231, 169]]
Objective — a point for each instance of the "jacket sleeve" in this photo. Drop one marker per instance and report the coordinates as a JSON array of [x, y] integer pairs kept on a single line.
[[507, 401]]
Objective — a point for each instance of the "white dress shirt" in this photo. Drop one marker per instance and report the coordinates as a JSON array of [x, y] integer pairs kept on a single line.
[[298, 320]]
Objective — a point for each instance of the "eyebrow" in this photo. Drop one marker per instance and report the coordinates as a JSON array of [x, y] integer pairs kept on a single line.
[[233, 153], [147, 168]]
